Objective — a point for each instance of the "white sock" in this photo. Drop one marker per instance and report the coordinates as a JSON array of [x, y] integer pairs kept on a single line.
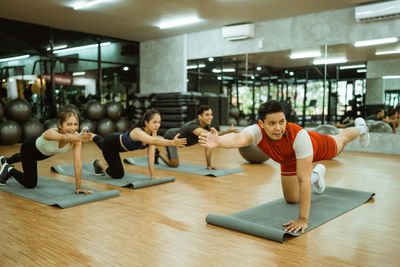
[[314, 177], [362, 129], [10, 168]]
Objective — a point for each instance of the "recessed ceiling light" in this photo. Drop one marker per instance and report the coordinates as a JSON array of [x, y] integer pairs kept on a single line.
[[352, 67], [333, 60], [376, 42], [13, 58], [305, 54], [82, 5], [178, 22]]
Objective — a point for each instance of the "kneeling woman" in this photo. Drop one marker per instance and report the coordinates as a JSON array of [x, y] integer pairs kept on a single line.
[[51, 142], [141, 136]]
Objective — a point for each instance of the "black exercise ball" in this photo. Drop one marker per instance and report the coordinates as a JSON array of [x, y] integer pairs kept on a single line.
[[122, 125], [1, 111], [71, 107], [10, 132], [234, 112], [94, 110], [327, 129], [50, 123], [18, 110], [89, 124], [105, 127], [113, 110], [253, 154], [32, 127], [380, 127]]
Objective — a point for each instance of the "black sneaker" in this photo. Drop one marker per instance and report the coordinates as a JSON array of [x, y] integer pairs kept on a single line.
[[4, 174], [3, 160], [97, 169], [156, 156]]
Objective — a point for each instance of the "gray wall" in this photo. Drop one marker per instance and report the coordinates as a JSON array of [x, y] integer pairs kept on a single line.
[[332, 27]]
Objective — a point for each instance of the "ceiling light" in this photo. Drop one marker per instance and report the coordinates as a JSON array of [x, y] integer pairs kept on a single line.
[[79, 48], [13, 58], [87, 4], [332, 60], [57, 47], [190, 67], [361, 70], [269, 78], [375, 42], [387, 50], [78, 73], [291, 73], [178, 22], [126, 68], [352, 67], [219, 78], [259, 68], [223, 70], [305, 54], [210, 59], [391, 77]]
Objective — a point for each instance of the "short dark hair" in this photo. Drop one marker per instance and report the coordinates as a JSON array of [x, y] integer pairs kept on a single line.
[[272, 106], [202, 108]]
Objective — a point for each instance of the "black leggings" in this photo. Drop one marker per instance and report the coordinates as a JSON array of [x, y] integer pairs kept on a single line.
[[29, 156], [111, 147]]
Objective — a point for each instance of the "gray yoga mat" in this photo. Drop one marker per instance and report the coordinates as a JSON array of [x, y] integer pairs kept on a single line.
[[183, 167], [56, 193], [130, 180], [266, 220]]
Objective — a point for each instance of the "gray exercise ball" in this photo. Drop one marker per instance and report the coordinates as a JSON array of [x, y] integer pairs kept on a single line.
[[50, 123], [105, 127], [234, 112], [18, 110], [122, 124], [89, 124], [94, 110], [253, 154], [327, 129], [32, 127], [113, 110], [380, 127], [10, 132]]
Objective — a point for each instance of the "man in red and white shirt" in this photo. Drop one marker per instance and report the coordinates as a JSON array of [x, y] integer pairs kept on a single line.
[[295, 150]]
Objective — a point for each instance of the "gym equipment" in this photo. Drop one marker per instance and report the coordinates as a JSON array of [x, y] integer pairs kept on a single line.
[[243, 122], [327, 129], [232, 120], [10, 132], [130, 180], [56, 193], [32, 127], [122, 125], [113, 110], [71, 107], [18, 110], [183, 167], [253, 154], [234, 112], [94, 110], [105, 127], [51, 123], [89, 124], [380, 127], [266, 220]]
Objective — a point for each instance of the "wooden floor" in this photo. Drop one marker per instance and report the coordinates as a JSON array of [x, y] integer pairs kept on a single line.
[[164, 225]]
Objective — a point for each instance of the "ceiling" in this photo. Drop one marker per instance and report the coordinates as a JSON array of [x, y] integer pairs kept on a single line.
[[137, 20]]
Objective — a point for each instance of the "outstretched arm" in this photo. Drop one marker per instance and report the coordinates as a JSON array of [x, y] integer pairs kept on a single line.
[[232, 140], [78, 168], [230, 130], [139, 135], [54, 135], [150, 160]]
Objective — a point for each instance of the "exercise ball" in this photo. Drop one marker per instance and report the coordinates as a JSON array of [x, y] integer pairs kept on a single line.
[[122, 125], [327, 129], [51, 123], [87, 123], [32, 127], [105, 127], [18, 110], [10, 132], [138, 104], [94, 110], [71, 107], [234, 112], [113, 110], [253, 154], [1, 111], [232, 120], [380, 127], [243, 122]]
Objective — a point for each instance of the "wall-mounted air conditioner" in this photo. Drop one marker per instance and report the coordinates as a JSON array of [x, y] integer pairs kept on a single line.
[[378, 11], [238, 32]]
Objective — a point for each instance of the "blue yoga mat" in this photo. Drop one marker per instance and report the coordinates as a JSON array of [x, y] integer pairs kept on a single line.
[[183, 167], [130, 180], [266, 220], [56, 193]]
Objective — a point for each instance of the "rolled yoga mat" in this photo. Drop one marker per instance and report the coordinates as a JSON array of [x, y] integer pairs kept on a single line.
[[183, 167], [130, 180], [266, 220], [56, 193]]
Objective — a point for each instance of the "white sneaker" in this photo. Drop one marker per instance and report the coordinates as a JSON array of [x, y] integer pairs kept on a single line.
[[364, 138], [319, 185]]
